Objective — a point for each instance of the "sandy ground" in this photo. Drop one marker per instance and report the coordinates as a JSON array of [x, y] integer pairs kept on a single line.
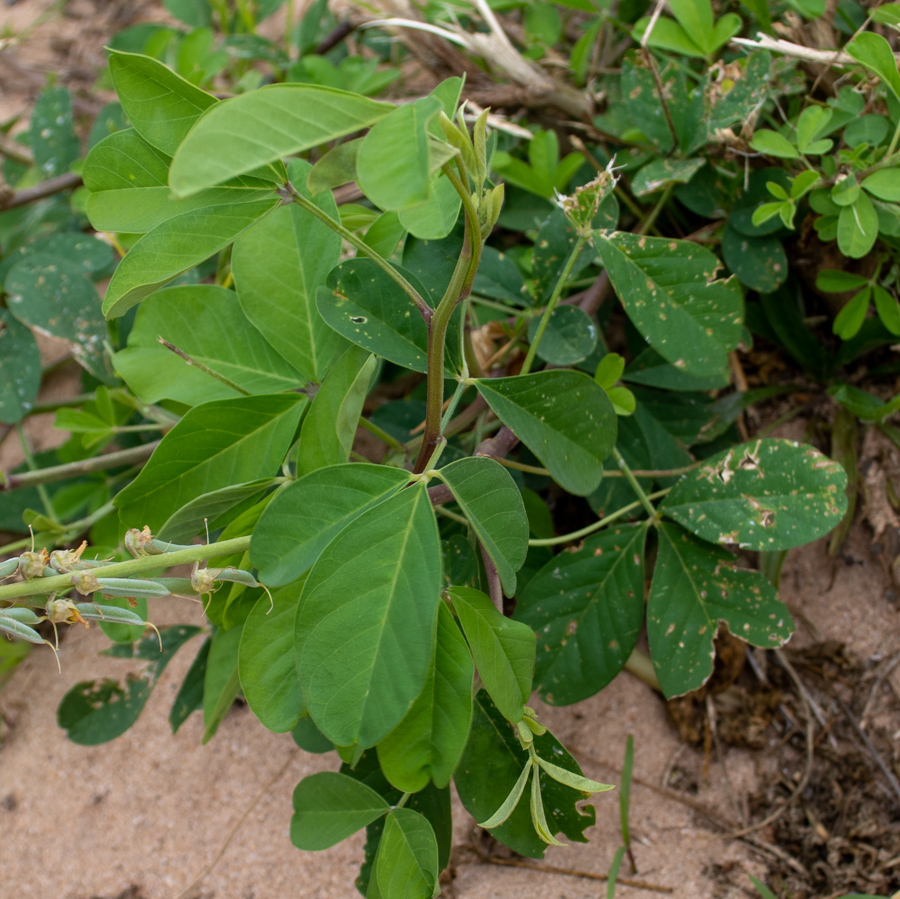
[[144, 816]]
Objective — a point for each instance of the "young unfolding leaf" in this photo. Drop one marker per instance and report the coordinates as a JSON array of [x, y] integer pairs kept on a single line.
[[668, 291], [512, 800], [564, 417], [573, 780], [302, 519], [503, 650], [490, 499], [586, 608], [428, 742], [366, 620], [327, 433], [266, 660], [213, 446], [695, 586], [491, 765], [329, 807], [766, 495]]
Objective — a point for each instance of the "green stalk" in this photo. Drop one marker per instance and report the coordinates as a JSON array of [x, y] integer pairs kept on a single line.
[[366, 250], [46, 502], [642, 496], [457, 291], [554, 299], [44, 585], [597, 525], [381, 434]]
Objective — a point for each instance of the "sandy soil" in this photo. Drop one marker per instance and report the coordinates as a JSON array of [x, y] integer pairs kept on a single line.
[[144, 816]]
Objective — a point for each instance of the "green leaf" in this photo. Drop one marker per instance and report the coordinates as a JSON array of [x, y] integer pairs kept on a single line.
[[845, 191], [662, 173], [765, 495], [255, 129], [393, 165], [279, 297], [266, 660], [888, 309], [221, 683], [215, 445], [837, 281], [874, 52], [503, 650], [207, 323], [887, 14], [512, 800], [884, 184], [570, 336], [489, 498], [302, 519], [190, 694], [571, 779], [650, 369], [803, 183], [54, 296], [20, 369], [435, 218], [51, 133], [850, 319], [406, 866], [668, 291], [668, 35], [491, 765], [748, 88], [759, 263], [811, 123], [327, 433], [857, 228], [95, 712], [586, 608], [428, 742], [366, 622], [175, 246], [161, 105], [365, 305], [329, 807], [771, 143], [694, 587], [336, 167], [563, 417], [309, 738]]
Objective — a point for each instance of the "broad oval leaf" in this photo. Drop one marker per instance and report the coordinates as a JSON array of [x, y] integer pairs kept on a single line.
[[758, 262], [694, 587], [161, 105], [266, 660], [260, 127], [586, 608], [213, 446], [668, 291], [176, 245], [427, 743], [570, 336], [767, 495], [207, 323], [279, 297], [329, 807], [489, 769], [503, 650], [20, 369], [406, 866], [51, 133], [490, 499], [564, 417], [302, 519], [365, 305], [366, 621]]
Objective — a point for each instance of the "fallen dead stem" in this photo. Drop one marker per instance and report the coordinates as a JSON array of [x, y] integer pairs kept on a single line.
[[571, 872]]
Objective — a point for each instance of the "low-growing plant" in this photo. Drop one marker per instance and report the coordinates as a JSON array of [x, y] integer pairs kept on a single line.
[[362, 592]]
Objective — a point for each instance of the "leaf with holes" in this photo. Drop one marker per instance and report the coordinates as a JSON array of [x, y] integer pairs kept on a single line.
[[586, 608], [668, 291], [766, 495], [694, 587]]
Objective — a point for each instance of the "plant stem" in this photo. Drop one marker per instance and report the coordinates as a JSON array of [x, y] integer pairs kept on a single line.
[[653, 472], [381, 434], [46, 502], [366, 250], [457, 291], [520, 466], [73, 469], [597, 525], [44, 585], [642, 496], [551, 305], [650, 221]]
